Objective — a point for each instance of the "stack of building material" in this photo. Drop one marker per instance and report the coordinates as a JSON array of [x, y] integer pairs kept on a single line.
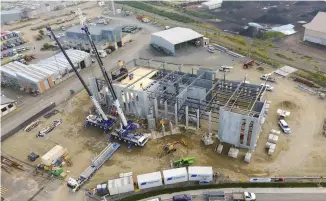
[[271, 147], [275, 132], [272, 138], [247, 157], [233, 152], [219, 148]]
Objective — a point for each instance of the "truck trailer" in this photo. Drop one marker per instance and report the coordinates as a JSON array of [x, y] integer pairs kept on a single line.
[[75, 184], [234, 196]]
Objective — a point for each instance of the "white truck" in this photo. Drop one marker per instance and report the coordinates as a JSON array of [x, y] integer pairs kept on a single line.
[[75, 184], [234, 196]]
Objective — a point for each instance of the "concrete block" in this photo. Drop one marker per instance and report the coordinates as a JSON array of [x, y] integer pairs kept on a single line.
[[233, 152], [219, 148], [247, 157], [272, 138], [271, 151]]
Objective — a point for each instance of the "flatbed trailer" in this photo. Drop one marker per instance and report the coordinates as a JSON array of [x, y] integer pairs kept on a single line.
[[74, 185], [230, 196]]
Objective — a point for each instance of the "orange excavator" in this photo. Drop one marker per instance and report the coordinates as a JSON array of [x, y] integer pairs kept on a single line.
[[169, 147]]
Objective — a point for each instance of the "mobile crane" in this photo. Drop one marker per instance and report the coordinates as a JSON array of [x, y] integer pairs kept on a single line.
[[125, 126], [99, 120]]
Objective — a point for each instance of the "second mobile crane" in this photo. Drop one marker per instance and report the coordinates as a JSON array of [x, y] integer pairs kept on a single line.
[[99, 120], [123, 133]]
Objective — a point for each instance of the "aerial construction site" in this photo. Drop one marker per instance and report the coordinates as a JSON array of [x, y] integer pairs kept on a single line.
[[135, 118]]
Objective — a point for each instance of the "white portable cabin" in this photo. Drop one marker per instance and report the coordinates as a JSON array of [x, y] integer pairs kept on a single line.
[[121, 185], [200, 173], [176, 175], [56, 152], [149, 180]]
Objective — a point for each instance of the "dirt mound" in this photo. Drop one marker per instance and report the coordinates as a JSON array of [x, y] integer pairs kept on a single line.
[[288, 105], [252, 32], [273, 19]]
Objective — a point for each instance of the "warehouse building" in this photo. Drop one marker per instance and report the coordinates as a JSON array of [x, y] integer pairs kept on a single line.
[[177, 38], [232, 110], [45, 74], [7, 105], [104, 36], [9, 16], [213, 4], [315, 31]]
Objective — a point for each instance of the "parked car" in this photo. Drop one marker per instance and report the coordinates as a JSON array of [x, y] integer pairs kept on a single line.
[[23, 48], [268, 87], [14, 51], [19, 49], [182, 197], [284, 126]]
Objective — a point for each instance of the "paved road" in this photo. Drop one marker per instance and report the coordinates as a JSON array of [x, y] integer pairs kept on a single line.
[[60, 93], [281, 197]]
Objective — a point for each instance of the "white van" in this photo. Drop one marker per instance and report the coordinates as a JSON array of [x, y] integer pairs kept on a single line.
[[284, 126], [102, 53]]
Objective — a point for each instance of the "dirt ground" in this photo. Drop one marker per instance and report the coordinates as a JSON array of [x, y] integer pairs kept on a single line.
[[302, 153]]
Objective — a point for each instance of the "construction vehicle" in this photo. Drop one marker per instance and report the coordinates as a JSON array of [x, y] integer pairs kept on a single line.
[[248, 63], [125, 126], [75, 184], [236, 196], [169, 147], [100, 119], [183, 162], [267, 77]]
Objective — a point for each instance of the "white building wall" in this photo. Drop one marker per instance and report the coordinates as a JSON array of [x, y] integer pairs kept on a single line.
[[7, 108], [163, 43], [315, 37]]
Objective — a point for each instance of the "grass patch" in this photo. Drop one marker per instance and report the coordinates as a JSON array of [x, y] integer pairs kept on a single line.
[[199, 14], [225, 185], [272, 35], [236, 39], [317, 77], [152, 9], [284, 56]]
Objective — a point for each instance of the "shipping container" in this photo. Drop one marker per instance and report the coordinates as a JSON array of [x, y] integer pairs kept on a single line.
[[149, 180], [176, 175], [53, 154], [200, 173], [121, 185]]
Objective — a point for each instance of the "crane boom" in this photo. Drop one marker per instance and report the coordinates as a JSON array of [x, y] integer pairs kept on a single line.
[[106, 77], [96, 104]]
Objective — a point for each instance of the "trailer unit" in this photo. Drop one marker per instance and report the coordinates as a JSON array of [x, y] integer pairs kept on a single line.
[[149, 180], [176, 175], [200, 173]]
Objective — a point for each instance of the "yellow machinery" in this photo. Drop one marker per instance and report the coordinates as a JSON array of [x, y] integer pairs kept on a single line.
[[169, 147]]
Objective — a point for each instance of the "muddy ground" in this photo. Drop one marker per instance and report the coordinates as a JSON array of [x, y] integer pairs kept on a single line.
[[302, 153]]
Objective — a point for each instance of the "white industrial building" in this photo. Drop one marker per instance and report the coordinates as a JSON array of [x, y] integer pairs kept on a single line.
[[178, 37], [316, 30], [213, 4], [45, 74], [7, 105]]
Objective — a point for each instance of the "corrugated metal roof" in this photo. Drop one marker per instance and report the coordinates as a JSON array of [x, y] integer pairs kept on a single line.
[[318, 23], [178, 35], [5, 100], [94, 30], [13, 11]]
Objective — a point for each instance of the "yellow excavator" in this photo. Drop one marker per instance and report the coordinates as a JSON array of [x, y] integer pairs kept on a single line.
[[169, 147]]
